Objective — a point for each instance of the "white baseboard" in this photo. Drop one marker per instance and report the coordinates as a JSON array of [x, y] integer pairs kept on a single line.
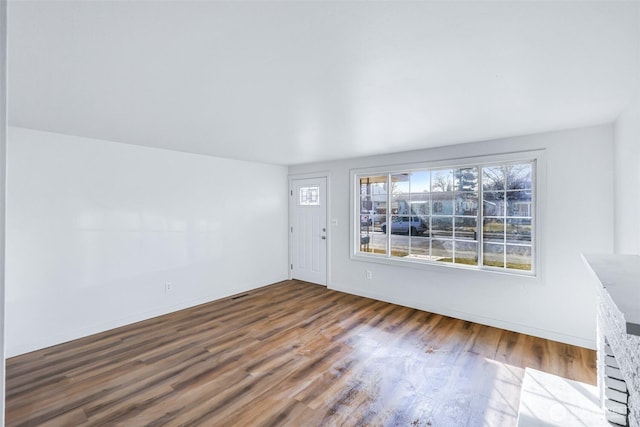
[[40, 343], [471, 317]]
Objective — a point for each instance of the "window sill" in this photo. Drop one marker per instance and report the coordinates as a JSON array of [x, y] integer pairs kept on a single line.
[[420, 264]]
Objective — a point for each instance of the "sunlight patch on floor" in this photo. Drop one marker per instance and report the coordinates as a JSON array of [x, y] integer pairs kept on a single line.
[[548, 400]]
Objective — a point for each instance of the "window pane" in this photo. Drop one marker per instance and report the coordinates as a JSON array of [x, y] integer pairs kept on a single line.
[[378, 243], [519, 176], [518, 230], [400, 183], [366, 242], [493, 203], [420, 204], [420, 182], [379, 212], [442, 203], [466, 253], [493, 178], [419, 246], [466, 228], [373, 185], [400, 193], [385, 227], [405, 225], [493, 230], [519, 257], [519, 203], [399, 245], [400, 205], [467, 204], [373, 195], [466, 179], [442, 250], [366, 223], [493, 255], [377, 219], [418, 226], [399, 225], [309, 196], [442, 226], [442, 180]]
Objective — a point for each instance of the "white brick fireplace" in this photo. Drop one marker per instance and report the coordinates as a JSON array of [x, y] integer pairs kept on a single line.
[[618, 287]]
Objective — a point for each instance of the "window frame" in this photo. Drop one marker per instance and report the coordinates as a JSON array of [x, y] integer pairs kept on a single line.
[[538, 179], [311, 199]]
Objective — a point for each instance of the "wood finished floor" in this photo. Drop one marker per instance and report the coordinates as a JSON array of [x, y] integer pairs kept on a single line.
[[291, 354]]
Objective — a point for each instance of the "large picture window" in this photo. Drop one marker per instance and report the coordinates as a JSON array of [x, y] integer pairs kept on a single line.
[[478, 215]]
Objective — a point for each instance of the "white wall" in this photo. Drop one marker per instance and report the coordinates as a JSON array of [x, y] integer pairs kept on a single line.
[[3, 163], [627, 172], [96, 228], [627, 181], [577, 218]]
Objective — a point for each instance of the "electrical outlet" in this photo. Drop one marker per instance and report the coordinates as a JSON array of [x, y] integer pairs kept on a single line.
[[168, 287], [369, 274]]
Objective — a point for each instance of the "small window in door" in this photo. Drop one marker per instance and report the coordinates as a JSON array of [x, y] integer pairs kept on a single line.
[[309, 196]]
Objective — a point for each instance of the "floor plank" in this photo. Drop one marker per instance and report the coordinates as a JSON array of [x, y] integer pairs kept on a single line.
[[289, 354]]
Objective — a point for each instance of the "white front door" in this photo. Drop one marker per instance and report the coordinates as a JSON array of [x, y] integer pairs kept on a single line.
[[308, 228]]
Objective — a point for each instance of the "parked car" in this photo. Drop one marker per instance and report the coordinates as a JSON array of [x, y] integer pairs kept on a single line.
[[405, 224]]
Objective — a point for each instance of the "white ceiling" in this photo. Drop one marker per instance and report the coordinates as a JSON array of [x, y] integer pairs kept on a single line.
[[296, 82]]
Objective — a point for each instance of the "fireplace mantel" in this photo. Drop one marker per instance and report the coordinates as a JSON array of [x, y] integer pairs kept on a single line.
[[618, 289], [620, 276]]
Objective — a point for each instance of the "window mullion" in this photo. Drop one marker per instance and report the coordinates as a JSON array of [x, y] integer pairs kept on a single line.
[[480, 219], [533, 214], [389, 225], [453, 218], [504, 226]]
